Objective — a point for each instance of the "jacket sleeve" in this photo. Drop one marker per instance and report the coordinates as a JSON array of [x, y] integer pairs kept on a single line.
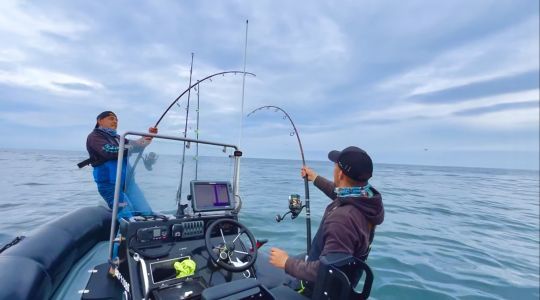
[[301, 269], [101, 147], [136, 146], [326, 186]]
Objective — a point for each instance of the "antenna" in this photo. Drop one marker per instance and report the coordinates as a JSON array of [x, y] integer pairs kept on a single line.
[[243, 85]]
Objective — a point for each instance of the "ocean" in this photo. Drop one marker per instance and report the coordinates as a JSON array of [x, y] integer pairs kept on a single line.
[[449, 232]]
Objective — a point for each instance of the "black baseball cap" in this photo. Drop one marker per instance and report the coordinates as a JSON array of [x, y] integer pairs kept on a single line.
[[354, 162], [104, 115]]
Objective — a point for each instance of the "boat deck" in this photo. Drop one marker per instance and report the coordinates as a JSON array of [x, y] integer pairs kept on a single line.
[[77, 279]]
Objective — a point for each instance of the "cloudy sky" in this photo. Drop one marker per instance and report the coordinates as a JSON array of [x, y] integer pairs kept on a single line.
[[413, 82]]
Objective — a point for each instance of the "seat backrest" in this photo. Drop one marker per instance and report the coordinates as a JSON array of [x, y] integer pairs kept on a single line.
[[338, 276]]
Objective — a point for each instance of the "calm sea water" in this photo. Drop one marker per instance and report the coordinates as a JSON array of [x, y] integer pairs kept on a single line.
[[449, 233]]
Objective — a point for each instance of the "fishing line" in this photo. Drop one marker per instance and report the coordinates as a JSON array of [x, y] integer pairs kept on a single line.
[[306, 185]]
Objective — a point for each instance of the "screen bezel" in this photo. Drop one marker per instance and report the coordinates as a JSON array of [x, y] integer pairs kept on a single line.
[[221, 208]]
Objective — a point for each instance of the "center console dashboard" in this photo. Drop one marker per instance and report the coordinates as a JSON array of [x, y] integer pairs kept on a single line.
[[152, 244]]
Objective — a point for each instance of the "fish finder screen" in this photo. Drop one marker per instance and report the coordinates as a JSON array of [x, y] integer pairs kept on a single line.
[[209, 196]]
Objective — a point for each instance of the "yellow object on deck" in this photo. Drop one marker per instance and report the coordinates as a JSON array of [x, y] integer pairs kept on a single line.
[[185, 268]]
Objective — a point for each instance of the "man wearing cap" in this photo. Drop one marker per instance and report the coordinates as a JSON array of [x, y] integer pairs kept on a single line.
[[348, 222], [103, 145]]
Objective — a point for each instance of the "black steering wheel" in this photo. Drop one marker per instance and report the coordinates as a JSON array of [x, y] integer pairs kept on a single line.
[[224, 252]]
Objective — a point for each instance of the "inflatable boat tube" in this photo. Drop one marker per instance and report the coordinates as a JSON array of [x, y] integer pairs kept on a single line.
[[36, 266]]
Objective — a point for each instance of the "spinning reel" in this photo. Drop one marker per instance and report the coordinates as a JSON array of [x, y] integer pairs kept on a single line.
[[295, 208]]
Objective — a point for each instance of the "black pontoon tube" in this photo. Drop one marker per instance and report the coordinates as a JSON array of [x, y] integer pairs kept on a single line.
[[306, 185]]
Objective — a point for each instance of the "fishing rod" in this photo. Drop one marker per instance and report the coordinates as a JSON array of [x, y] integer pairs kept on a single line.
[[198, 89], [179, 192], [295, 205], [196, 84], [209, 77]]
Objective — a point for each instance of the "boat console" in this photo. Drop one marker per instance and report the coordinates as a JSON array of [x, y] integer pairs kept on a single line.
[[181, 256], [201, 253]]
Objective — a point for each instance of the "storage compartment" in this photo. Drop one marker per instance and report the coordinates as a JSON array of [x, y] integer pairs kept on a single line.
[[190, 289], [164, 270]]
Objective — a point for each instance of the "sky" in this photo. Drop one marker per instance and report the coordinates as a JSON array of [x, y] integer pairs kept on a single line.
[[452, 83]]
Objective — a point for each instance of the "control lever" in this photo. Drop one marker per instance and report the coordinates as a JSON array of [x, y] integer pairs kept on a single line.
[[259, 244], [181, 210]]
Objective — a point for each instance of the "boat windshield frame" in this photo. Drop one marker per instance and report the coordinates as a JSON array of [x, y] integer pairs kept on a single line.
[[119, 166]]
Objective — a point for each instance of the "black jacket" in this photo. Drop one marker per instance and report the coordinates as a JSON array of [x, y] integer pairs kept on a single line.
[[101, 147], [346, 227]]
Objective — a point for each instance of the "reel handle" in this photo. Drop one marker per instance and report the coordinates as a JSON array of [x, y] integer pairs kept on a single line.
[[280, 218], [296, 212]]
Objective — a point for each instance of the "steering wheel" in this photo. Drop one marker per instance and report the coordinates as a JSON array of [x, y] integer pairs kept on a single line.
[[225, 253]]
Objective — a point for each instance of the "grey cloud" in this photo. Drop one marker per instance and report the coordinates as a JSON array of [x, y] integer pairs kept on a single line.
[[74, 86], [514, 83], [497, 107]]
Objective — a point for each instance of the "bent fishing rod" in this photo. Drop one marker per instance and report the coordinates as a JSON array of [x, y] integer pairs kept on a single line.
[[295, 204], [196, 84], [209, 77]]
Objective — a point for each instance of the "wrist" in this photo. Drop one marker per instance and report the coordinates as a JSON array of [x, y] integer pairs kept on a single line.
[[285, 264]]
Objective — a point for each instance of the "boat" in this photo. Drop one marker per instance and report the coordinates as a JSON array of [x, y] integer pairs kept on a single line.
[[191, 245]]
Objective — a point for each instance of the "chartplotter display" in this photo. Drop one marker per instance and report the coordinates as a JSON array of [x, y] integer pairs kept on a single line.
[[211, 196]]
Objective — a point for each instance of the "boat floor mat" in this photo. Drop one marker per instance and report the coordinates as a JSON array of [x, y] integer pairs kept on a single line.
[[101, 285]]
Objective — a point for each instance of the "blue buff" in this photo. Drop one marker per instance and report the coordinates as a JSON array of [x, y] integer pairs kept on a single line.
[[356, 191], [109, 131]]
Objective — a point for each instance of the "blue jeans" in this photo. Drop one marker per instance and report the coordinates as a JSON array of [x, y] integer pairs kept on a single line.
[[134, 203]]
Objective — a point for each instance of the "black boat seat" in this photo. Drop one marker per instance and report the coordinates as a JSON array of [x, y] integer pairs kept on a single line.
[[285, 292], [248, 288], [337, 278]]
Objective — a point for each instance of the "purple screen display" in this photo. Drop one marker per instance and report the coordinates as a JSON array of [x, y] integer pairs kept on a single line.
[[211, 196]]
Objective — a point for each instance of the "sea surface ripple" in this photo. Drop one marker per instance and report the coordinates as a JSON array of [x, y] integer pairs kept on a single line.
[[449, 232]]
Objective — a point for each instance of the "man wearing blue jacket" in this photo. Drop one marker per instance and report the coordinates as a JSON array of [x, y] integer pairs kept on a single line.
[[103, 145]]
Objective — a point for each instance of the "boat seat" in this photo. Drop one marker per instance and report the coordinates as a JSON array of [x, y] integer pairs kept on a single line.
[[248, 288], [285, 292], [337, 279]]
